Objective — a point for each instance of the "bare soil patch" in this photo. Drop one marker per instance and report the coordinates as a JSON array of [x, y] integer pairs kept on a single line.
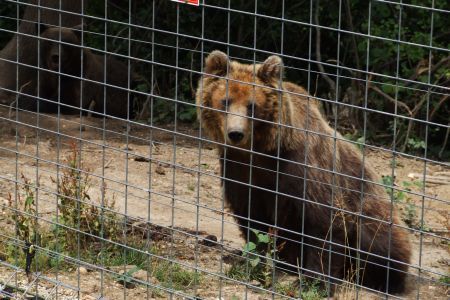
[[168, 177]]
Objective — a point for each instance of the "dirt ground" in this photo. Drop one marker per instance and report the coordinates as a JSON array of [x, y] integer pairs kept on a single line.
[[172, 180]]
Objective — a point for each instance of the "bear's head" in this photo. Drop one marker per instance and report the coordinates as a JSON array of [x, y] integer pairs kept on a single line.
[[238, 104], [60, 49]]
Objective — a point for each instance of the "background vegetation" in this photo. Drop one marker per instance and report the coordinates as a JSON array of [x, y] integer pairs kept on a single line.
[[358, 66]]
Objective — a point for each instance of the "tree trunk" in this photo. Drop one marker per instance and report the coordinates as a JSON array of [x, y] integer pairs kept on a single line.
[[22, 49]]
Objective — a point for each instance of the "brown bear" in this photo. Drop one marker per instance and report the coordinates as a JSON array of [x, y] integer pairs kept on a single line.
[[285, 168], [65, 58]]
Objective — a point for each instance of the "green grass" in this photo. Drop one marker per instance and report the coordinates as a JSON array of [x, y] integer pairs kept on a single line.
[[90, 220], [310, 291], [445, 279], [257, 264], [238, 271], [173, 275]]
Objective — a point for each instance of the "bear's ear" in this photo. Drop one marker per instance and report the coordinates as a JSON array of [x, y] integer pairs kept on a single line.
[[216, 63], [271, 69], [78, 30], [41, 27]]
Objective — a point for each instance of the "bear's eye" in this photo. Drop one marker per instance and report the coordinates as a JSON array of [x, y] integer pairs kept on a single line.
[[224, 103], [55, 58], [250, 109]]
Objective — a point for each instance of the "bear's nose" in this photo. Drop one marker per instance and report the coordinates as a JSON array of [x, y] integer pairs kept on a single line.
[[235, 136]]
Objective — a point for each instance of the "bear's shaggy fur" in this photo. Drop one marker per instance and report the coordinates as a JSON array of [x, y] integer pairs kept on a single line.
[[66, 58], [284, 167]]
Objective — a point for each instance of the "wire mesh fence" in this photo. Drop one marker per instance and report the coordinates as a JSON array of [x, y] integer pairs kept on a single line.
[[224, 149]]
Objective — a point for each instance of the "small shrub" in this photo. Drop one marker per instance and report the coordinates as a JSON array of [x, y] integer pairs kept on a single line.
[[77, 216], [77, 211], [401, 197], [26, 225], [261, 257], [397, 196], [416, 144], [26, 220], [82, 221]]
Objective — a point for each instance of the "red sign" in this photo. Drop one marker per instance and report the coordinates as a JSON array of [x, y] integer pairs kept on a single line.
[[192, 2]]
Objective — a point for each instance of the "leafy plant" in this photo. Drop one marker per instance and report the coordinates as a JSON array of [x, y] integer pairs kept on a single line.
[[397, 195], [26, 224], [400, 196], [77, 210], [260, 258], [187, 113], [75, 230], [25, 220], [356, 138], [416, 144]]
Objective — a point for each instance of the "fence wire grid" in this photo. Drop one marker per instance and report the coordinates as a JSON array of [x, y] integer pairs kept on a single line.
[[224, 149]]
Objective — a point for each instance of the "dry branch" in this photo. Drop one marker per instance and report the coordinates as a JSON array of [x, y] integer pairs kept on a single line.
[[352, 29], [430, 178], [327, 78], [422, 68], [436, 108], [400, 103]]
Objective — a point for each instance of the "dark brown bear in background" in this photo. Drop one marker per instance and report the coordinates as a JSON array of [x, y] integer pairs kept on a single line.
[[66, 58], [319, 194]]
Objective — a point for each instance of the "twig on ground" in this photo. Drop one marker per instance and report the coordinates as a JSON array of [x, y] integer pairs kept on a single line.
[[108, 163], [430, 178], [17, 98]]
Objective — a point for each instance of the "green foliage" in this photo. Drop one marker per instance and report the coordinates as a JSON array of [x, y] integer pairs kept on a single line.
[[445, 279], [167, 274], [397, 196], [25, 219], [360, 140], [187, 114], [164, 112], [173, 275], [27, 226], [259, 262], [165, 59], [77, 211], [416, 144], [310, 290], [127, 277], [400, 197], [77, 227]]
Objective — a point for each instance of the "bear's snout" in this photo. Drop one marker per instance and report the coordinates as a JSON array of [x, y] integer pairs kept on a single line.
[[235, 136], [236, 125], [54, 62]]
